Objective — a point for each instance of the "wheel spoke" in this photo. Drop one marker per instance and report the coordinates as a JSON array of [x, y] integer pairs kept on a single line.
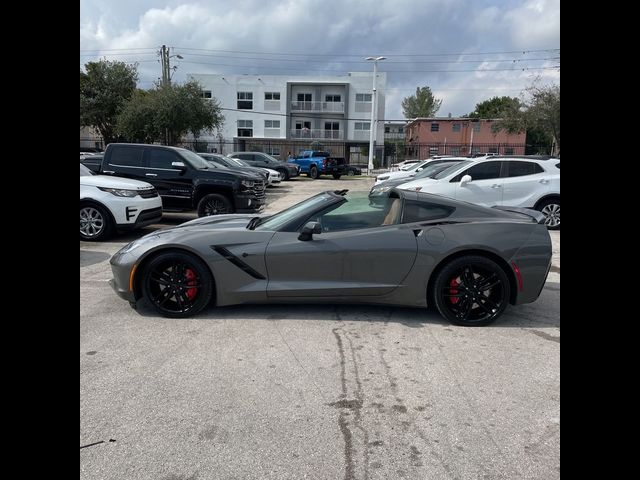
[[488, 282], [467, 277], [465, 309], [162, 298], [185, 298], [489, 302]]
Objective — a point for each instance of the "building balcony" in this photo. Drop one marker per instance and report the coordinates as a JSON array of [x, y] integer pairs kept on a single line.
[[394, 136], [318, 107], [317, 133]]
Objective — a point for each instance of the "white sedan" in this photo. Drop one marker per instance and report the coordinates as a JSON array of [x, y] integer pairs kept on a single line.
[[415, 169], [109, 204]]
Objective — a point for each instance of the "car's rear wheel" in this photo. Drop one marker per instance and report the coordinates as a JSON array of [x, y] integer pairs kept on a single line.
[[471, 291], [313, 172], [351, 173], [214, 204], [551, 211], [284, 174], [177, 284], [95, 223]]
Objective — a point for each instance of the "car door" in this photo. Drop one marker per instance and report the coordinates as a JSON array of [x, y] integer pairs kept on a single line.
[[485, 187], [125, 161], [524, 183], [362, 258], [174, 185]]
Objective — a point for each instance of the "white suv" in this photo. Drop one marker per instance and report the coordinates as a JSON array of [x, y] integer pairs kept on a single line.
[[515, 181], [113, 203]]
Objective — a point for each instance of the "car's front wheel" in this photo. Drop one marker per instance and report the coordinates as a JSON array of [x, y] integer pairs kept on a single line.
[[551, 211], [471, 291], [214, 204], [177, 284], [95, 223], [284, 174]]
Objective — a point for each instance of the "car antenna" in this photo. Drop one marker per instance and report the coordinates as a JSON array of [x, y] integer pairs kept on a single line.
[[341, 192]]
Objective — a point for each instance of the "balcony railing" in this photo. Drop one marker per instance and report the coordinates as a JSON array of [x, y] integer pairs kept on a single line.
[[333, 107], [317, 133]]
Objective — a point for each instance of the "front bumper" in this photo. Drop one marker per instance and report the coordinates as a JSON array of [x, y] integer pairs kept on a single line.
[[250, 203], [293, 169], [145, 217]]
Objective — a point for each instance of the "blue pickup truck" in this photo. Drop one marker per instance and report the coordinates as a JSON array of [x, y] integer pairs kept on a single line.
[[316, 162]]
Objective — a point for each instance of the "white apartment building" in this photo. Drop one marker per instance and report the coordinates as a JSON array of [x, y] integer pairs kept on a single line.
[[297, 109]]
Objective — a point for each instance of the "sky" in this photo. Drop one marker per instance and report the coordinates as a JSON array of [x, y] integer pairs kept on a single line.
[[466, 51]]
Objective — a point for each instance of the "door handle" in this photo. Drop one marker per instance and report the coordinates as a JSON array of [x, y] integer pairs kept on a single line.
[[150, 175], [495, 185], [108, 171], [544, 181]]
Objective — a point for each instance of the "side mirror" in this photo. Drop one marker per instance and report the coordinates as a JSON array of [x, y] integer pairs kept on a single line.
[[419, 169], [465, 179], [308, 230], [179, 166]]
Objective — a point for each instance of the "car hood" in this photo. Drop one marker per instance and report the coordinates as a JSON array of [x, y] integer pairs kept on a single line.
[[107, 181]]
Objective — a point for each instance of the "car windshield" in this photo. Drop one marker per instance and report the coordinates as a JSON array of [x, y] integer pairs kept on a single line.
[[237, 161], [451, 169], [306, 207], [194, 159], [415, 166], [430, 171], [85, 172]]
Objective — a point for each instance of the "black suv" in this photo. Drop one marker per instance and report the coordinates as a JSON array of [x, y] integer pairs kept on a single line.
[[263, 160], [184, 180]]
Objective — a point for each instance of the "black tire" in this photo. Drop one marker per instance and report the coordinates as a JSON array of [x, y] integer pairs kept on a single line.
[[551, 210], [95, 223], [177, 284], [284, 174], [313, 172], [336, 176], [460, 291], [214, 204], [351, 173]]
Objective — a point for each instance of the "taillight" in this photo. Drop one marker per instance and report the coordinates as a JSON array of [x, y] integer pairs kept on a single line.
[[324, 162]]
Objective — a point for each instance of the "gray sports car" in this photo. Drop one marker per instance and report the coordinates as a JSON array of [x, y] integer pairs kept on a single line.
[[414, 249]]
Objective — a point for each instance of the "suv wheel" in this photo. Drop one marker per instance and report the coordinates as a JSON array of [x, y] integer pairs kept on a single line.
[[95, 223], [214, 204], [551, 211]]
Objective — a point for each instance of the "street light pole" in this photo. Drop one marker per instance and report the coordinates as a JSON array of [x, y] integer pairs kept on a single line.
[[372, 127]]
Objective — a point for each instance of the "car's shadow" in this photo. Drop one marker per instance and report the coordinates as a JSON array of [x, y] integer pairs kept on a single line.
[[543, 313]]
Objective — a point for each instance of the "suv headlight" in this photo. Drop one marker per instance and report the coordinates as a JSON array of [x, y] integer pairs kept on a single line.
[[247, 183], [120, 192], [380, 190]]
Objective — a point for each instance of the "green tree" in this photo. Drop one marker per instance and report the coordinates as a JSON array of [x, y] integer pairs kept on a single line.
[[105, 88], [495, 107], [422, 104], [539, 111], [166, 113]]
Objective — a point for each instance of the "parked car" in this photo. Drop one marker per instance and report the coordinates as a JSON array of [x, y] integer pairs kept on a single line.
[[184, 180], [319, 162], [263, 160], [109, 204], [416, 250], [270, 176], [406, 163], [414, 169], [518, 181], [379, 190], [352, 170]]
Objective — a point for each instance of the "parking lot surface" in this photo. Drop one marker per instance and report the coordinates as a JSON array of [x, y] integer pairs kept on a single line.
[[313, 391]]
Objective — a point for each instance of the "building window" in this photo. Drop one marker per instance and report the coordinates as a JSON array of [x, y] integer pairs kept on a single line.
[[331, 130], [435, 127], [400, 129], [455, 127], [363, 97], [272, 95], [332, 98], [272, 124], [206, 94], [387, 130], [363, 102], [272, 128], [245, 100], [476, 127], [433, 151], [362, 126], [272, 150], [245, 128]]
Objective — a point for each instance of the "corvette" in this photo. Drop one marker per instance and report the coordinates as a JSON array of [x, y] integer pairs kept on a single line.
[[414, 249]]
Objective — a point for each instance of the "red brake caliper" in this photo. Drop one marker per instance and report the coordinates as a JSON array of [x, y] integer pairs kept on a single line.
[[454, 291], [191, 280]]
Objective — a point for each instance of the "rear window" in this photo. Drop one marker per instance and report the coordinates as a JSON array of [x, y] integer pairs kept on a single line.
[[520, 169], [126, 156]]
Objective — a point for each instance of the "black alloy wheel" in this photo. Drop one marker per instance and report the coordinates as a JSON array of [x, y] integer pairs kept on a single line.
[[471, 291], [177, 284]]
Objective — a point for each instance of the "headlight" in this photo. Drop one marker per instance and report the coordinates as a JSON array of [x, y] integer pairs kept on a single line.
[[247, 183], [380, 190], [119, 192], [417, 189], [382, 177]]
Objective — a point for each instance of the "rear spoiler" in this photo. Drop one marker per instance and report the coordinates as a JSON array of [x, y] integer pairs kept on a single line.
[[529, 212]]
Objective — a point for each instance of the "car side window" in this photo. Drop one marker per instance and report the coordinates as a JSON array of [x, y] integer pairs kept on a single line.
[[126, 156], [520, 169], [422, 211], [358, 213], [245, 156], [159, 158], [482, 171]]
